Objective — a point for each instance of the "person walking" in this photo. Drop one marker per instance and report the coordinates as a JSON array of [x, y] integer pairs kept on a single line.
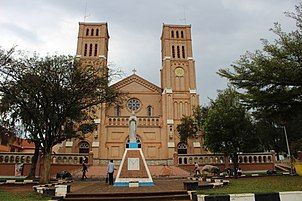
[[84, 170], [110, 171]]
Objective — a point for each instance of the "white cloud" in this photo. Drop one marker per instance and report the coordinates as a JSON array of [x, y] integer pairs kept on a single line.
[[222, 30]]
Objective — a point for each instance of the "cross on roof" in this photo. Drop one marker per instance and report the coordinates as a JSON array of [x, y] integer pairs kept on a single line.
[[134, 70]]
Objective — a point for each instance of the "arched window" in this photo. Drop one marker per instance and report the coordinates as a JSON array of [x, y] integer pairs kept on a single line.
[[178, 52], [182, 148], [95, 49], [97, 32], [182, 34], [85, 50], [118, 110], [149, 111], [173, 51], [87, 32], [177, 36], [183, 51], [84, 147], [92, 32], [172, 34], [90, 50]]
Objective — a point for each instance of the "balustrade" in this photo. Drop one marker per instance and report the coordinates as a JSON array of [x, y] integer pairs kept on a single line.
[[203, 159], [20, 157], [15, 157], [124, 120]]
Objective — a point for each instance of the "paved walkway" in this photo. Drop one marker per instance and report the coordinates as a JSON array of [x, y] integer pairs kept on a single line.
[[99, 187], [99, 171]]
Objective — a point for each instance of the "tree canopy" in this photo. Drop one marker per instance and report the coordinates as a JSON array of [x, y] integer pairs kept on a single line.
[[52, 96], [191, 126], [187, 128]]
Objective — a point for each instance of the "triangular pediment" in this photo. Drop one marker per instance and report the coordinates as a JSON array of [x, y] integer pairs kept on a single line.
[[137, 84]]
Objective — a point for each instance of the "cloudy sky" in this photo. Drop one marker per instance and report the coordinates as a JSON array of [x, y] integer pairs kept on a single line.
[[222, 30]]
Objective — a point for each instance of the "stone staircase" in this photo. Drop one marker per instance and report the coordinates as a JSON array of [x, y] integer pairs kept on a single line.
[[134, 196], [285, 167]]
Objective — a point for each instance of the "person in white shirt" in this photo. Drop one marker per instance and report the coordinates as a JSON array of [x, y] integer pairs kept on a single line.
[[110, 171]]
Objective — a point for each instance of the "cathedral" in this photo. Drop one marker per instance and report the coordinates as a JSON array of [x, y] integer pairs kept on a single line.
[[157, 108]]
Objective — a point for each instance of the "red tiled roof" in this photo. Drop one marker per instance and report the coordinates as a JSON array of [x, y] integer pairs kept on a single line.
[[23, 144]]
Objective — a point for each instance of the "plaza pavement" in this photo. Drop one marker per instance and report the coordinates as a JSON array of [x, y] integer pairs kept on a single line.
[[100, 171]]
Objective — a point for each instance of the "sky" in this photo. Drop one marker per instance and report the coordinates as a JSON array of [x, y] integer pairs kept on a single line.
[[222, 30]]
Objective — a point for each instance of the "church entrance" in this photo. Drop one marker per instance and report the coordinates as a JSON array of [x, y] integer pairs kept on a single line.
[[137, 140], [84, 147], [182, 148]]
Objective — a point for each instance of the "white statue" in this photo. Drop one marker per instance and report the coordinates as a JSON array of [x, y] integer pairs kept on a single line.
[[132, 126]]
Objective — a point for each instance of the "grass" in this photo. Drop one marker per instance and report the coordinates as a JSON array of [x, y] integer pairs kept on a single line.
[[21, 196], [258, 185]]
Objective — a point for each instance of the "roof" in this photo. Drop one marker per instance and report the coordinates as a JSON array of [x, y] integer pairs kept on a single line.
[[23, 144], [137, 79]]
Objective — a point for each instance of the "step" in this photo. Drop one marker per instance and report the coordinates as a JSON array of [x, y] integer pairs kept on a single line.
[[133, 198], [281, 168], [128, 194]]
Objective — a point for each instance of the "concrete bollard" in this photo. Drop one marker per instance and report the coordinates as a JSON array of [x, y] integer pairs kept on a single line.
[[292, 196], [62, 190]]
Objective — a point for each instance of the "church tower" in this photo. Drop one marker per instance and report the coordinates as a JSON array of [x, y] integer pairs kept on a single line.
[[92, 47], [92, 50], [178, 80]]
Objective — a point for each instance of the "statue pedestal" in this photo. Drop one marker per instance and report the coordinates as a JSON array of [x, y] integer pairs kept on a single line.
[[133, 171]]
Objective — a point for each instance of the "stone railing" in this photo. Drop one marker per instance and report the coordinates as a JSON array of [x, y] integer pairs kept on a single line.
[[265, 157], [15, 157], [187, 159], [72, 158], [124, 121], [245, 158], [20, 157]]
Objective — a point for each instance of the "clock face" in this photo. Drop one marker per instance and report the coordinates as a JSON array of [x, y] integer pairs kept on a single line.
[[179, 71]]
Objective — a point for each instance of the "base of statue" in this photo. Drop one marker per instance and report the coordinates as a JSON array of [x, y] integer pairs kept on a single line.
[[133, 170]]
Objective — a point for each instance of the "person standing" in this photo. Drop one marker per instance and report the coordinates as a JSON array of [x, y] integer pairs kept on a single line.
[[110, 171], [84, 170], [197, 169]]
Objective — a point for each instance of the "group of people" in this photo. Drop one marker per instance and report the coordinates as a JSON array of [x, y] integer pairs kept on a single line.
[[110, 171]]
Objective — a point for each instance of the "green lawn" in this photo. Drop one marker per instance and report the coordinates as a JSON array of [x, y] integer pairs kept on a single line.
[[24, 196], [259, 185]]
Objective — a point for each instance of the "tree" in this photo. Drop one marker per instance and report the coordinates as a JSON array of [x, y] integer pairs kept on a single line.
[[191, 126], [187, 128], [271, 79], [270, 82], [228, 126], [271, 135], [52, 96]]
